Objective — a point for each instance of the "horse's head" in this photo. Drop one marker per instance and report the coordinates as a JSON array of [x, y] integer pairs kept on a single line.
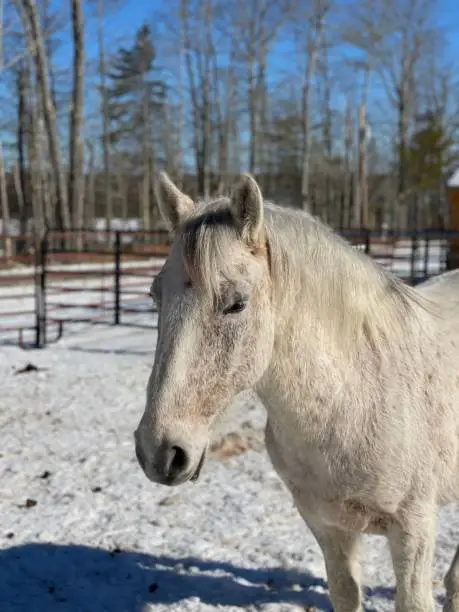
[[215, 326]]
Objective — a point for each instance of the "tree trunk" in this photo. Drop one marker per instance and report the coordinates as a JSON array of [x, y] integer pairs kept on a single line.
[[20, 201], [37, 49], [146, 152], [329, 203], [347, 192], [180, 162], [105, 118], [310, 71], [195, 102], [122, 190], [6, 229], [252, 116], [402, 137], [89, 210], [47, 20], [363, 192], [20, 169], [76, 176], [35, 155]]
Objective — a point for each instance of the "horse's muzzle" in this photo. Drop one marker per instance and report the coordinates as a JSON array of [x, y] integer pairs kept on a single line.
[[170, 465]]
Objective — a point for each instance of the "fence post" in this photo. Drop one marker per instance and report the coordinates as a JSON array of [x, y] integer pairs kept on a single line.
[[117, 279], [367, 241], [414, 252], [40, 292], [426, 254]]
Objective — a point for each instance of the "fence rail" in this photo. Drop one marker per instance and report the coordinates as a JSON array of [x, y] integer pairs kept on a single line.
[[97, 277]]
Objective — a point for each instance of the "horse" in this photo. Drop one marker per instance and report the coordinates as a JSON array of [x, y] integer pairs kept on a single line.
[[357, 370]]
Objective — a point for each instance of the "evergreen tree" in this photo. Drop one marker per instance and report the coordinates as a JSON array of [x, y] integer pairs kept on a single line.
[[429, 154], [136, 104], [136, 97]]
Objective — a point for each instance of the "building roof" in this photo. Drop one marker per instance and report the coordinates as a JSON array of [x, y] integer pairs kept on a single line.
[[454, 180]]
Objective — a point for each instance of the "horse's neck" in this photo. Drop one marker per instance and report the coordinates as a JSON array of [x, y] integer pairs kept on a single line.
[[321, 338], [308, 374]]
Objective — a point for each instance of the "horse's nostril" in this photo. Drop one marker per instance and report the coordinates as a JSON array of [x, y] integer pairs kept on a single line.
[[177, 461]]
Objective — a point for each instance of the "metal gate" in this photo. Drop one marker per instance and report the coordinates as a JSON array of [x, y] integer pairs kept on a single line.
[[82, 278]]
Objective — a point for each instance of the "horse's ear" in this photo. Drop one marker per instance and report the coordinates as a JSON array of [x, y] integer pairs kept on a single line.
[[174, 205], [247, 208]]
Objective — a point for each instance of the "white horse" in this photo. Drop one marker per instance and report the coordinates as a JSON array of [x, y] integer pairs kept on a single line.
[[358, 372]]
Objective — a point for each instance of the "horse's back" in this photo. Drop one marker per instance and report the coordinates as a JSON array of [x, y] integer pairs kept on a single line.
[[443, 292], [442, 285]]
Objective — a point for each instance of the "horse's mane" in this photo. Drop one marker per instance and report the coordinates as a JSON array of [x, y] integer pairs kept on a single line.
[[347, 287]]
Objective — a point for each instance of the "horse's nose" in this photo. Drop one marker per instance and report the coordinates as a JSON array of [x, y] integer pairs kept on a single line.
[[168, 464], [172, 462]]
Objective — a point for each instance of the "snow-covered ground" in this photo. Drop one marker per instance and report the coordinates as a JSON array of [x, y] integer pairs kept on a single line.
[[82, 530]]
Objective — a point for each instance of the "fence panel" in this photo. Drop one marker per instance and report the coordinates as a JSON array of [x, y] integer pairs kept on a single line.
[[413, 256], [18, 279], [101, 279]]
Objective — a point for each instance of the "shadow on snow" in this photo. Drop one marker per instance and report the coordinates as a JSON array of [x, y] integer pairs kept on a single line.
[[75, 578]]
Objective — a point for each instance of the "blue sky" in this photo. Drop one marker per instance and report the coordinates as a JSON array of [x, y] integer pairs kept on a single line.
[[136, 12], [122, 24]]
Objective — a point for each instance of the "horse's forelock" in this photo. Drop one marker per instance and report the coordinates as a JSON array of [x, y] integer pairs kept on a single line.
[[207, 240]]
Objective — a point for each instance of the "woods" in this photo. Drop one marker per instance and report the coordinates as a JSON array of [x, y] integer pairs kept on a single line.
[[347, 109]]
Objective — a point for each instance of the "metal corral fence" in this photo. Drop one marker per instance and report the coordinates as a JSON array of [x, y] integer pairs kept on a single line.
[[414, 255], [18, 281], [69, 280], [77, 279]]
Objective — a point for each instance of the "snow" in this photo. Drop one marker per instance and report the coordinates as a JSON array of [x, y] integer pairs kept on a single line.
[[101, 537], [84, 267], [97, 536], [100, 223]]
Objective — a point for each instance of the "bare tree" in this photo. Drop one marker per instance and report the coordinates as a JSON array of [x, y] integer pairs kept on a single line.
[[326, 115], [394, 36], [105, 114], [348, 165], [197, 51], [254, 26], [89, 209], [35, 40], [36, 151], [6, 218], [76, 177], [22, 91], [314, 36]]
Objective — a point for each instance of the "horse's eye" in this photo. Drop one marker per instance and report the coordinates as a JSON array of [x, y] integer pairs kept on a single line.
[[235, 307]]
